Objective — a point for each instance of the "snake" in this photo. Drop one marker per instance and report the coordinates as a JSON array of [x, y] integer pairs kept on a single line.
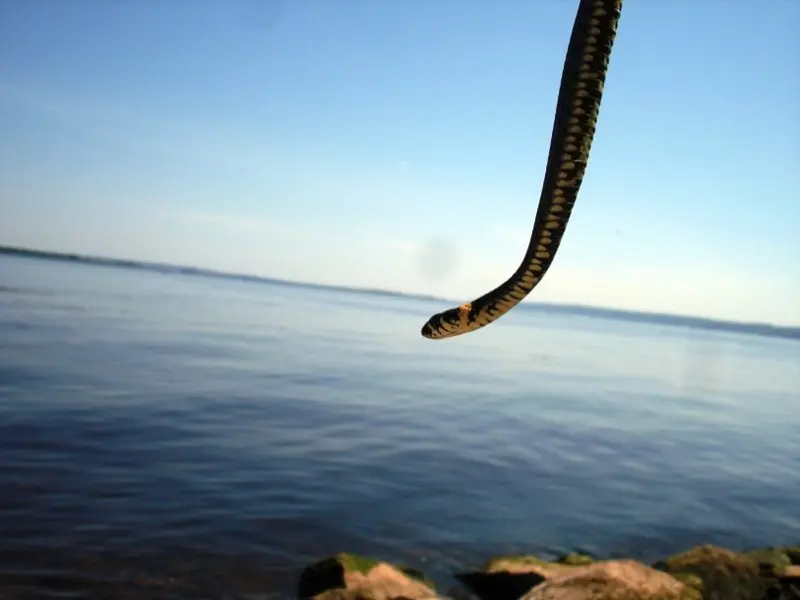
[[577, 109]]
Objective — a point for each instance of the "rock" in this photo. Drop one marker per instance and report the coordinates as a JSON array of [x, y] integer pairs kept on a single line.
[[783, 566], [791, 572], [342, 594], [613, 580], [793, 552], [700, 573], [509, 577], [351, 577], [725, 575], [575, 559], [789, 582], [690, 579], [574, 577], [526, 564], [775, 558]]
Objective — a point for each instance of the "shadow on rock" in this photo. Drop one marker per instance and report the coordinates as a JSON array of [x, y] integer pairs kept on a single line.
[[500, 585]]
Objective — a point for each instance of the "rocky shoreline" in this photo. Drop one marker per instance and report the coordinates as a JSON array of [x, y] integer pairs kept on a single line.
[[700, 573]]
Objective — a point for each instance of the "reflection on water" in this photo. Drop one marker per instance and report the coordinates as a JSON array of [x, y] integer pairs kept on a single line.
[[182, 437]]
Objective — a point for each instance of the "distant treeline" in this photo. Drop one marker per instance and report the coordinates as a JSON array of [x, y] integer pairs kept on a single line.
[[608, 313]]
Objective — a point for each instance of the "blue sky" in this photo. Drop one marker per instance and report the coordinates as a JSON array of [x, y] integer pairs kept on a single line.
[[401, 145]]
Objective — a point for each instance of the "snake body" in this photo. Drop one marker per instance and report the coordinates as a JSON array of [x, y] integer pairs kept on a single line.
[[577, 109]]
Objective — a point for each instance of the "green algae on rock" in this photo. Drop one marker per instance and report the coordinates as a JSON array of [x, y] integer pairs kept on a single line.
[[691, 580], [575, 559], [778, 558], [757, 574], [524, 563]]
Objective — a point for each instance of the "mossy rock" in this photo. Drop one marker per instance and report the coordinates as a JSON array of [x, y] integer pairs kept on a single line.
[[691, 580], [521, 559], [777, 558], [416, 574], [524, 563], [346, 576], [575, 559], [354, 562], [725, 575], [363, 565]]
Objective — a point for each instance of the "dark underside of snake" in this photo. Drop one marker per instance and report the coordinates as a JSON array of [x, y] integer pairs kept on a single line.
[[577, 109]]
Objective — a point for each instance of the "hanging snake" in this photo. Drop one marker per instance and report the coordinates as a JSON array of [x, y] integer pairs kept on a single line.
[[577, 108]]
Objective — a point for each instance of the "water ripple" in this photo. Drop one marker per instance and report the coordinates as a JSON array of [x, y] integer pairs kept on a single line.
[[175, 438]]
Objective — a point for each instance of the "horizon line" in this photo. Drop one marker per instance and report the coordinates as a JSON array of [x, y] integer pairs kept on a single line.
[[753, 327]]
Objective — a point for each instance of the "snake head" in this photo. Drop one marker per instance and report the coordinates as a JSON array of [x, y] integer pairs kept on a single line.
[[449, 323]]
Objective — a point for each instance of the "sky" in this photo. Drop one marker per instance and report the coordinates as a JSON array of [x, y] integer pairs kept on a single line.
[[402, 145]]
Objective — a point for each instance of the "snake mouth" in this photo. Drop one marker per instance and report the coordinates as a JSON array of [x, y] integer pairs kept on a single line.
[[433, 329], [450, 323], [430, 331]]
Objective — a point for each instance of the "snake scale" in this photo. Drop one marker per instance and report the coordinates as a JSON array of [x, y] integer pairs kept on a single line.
[[577, 109]]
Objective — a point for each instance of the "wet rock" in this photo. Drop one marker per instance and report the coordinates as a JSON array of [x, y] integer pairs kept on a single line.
[[573, 577], [613, 580], [791, 572], [691, 580], [352, 577], [775, 558], [780, 569], [509, 577], [701, 573], [725, 575], [789, 582]]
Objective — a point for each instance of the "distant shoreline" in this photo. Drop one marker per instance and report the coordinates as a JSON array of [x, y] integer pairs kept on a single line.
[[764, 329]]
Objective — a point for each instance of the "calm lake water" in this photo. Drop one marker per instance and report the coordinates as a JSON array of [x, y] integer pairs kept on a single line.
[[177, 436]]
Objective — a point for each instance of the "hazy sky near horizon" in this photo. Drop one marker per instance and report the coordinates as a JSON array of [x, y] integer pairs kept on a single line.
[[402, 145]]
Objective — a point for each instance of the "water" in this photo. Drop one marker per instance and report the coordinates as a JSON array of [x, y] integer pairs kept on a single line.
[[175, 436]]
